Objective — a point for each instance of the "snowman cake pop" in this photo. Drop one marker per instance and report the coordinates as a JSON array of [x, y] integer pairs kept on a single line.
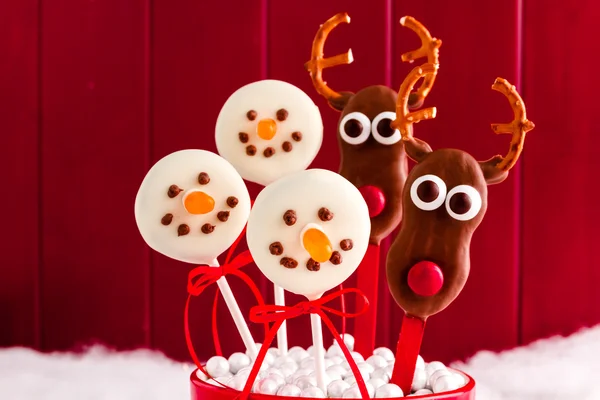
[[307, 233], [191, 206], [268, 129]]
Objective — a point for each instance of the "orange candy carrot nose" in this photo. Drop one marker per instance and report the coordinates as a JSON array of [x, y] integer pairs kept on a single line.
[[197, 202], [317, 244], [266, 129]]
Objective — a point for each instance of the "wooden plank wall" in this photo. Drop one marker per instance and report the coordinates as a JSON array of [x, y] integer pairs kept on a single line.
[[93, 93]]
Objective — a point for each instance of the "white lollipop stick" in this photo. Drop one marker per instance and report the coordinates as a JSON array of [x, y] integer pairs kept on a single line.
[[282, 342], [317, 336], [237, 316]]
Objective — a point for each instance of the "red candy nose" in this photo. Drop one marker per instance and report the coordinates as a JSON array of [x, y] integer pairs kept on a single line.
[[425, 278], [374, 198]]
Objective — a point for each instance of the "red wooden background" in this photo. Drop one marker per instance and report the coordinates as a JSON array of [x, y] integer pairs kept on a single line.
[[93, 92]]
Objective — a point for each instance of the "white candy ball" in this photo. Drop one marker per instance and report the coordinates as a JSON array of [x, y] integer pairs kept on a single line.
[[277, 378], [274, 371], [333, 351], [308, 362], [202, 376], [313, 392], [352, 393], [388, 390], [301, 372], [384, 352], [351, 380], [381, 374], [337, 360], [420, 363], [217, 366], [364, 371], [377, 382], [348, 340], [436, 375], [357, 357], [328, 363], [237, 382], [238, 361], [267, 386], [389, 369], [433, 366], [445, 383], [419, 380], [305, 381], [377, 362], [370, 388], [366, 366], [460, 379], [289, 390], [312, 350], [279, 361], [288, 368], [269, 359], [421, 392], [295, 349], [213, 382], [274, 351], [336, 370], [337, 388]]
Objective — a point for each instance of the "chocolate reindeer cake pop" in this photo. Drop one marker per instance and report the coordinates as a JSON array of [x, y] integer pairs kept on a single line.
[[444, 201], [372, 155]]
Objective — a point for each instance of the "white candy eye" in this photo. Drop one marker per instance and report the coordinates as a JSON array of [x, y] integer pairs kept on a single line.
[[428, 192], [463, 202], [382, 129], [355, 128]]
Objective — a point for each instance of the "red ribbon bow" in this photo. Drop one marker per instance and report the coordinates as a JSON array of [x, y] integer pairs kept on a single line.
[[278, 314], [202, 277]]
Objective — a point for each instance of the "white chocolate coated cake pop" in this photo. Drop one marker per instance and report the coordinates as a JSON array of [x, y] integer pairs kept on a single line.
[[309, 231], [191, 206], [269, 129]]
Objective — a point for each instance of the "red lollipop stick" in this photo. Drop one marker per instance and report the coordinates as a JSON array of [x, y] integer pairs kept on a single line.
[[407, 351], [368, 283]]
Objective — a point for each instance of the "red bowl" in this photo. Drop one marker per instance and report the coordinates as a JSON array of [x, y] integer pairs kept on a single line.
[[205, 391]]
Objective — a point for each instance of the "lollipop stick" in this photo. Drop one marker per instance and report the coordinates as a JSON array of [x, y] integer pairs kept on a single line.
[[282, 343], [407, 352], [367, 282], [317, 336], [236, 314]]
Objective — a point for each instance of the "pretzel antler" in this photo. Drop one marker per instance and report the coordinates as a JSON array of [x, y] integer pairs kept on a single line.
[[317, 63], [429, 48], [404, 118], [518, 128]]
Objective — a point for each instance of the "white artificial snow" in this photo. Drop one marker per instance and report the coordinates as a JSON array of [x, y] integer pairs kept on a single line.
[[550, 369]]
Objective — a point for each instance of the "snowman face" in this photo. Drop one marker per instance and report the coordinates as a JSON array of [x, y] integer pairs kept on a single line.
[[192, 205], [269, 129], [309, 231]]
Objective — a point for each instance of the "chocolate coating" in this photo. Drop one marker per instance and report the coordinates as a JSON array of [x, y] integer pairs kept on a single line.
[[372, 163], [434, 235]]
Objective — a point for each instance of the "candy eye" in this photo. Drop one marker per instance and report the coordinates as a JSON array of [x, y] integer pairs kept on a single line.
[[463, 202], [355, 128], [382, 128], [428, 192]]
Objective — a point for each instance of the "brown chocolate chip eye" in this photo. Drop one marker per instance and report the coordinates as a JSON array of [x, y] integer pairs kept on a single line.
[[460, 203], [313, 265], [173, 191], [207, 228], [182, 230], [232, 201], [167, 219], [288, 262], [203, 178], [297, 136], [336, 258], [325, 215], [243, 137], [251, 150], [289, 217], [346, 244], [353, 128], [276, 248], [384, 127], [286, 146], [251, 115], [282, 114], [223, 216], [268, 152], [428, 191]]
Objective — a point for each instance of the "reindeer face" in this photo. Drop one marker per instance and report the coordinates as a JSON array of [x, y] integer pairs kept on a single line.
[[373, 157], [445, 199]]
